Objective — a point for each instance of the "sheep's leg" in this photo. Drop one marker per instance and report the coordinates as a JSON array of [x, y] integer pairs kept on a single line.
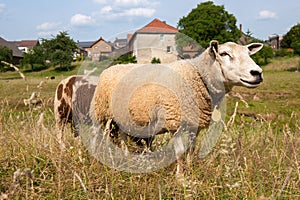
[[149, 142], [123, 140], [143, 144], [60, 125], [190, 152], [179, 151], [107, 129], [112, 131], [185, 140], [75, 128]]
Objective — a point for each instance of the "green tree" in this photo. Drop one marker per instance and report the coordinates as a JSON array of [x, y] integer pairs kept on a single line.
[[35, 55], [208, 22], [60, 50], [292, 39], [262, 57], [6, 54]]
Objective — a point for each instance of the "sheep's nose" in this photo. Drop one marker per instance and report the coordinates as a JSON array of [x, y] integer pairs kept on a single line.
[[257, 75]]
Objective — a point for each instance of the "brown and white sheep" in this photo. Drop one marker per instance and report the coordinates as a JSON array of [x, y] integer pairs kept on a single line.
[[72, 101], [145, 100]]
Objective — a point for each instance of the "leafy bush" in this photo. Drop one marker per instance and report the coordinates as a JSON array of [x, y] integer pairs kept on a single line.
[[6, 54], [292, 39], [284, 52], [263, 56], [155, 61], [125, 59]]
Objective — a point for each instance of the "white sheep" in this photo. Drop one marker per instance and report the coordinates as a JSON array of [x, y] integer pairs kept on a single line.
[[145, 100]]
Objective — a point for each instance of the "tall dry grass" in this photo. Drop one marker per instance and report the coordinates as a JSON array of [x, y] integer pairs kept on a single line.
[[256, 157]]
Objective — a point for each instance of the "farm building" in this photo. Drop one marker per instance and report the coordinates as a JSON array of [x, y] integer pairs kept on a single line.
[[155, 40], [17, 53]]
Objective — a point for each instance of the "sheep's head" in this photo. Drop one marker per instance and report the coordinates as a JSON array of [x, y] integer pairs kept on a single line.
[[236, 65]]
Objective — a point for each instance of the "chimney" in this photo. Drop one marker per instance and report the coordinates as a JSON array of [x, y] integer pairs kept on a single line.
[[241, 27]]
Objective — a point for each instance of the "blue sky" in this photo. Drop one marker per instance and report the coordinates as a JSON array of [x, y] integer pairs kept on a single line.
[[87, 20]]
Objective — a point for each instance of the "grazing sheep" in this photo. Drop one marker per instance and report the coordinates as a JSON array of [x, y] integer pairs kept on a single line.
[[145, 100], [72, 101]]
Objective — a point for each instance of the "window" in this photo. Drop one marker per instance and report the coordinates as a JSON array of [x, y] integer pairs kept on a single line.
[[169, 49], [161, 37]]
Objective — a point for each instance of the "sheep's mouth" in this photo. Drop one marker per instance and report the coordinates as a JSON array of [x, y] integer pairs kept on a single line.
[[254, 83]]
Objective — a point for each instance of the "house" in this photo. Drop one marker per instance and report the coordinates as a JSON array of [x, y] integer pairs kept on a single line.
[[83, 48], [275, 41], [100, 49], [26, 45], [97, 50], [155, 40], [120, 43], [17, 54], [245, 38]]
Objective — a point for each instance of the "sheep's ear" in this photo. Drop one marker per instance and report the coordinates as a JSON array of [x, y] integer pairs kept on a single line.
[[214, 48], [254, 47]]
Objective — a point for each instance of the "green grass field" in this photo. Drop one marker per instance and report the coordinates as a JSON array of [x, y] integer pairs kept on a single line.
[[257, 156]]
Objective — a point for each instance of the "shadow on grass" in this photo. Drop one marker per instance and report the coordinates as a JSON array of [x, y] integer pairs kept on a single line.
[[65, 68], [10, 78], [37, 69], [293, 69]]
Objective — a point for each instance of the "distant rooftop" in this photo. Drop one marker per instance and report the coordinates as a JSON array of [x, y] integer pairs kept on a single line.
[[157, 26], [28, 43], [85, 44], [12, 46]]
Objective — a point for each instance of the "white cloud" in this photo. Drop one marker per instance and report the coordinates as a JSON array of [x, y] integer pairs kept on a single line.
[[2, 7], [266, 14], [127, 3], [81, 20], [116, 9], [131, 2], [109, 12], [46, 34], [101, 1], [142, 12], [48, 26], [48, 29], [106, 10]]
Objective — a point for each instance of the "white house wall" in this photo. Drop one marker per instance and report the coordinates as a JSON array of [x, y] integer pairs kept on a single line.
[[147, 46]]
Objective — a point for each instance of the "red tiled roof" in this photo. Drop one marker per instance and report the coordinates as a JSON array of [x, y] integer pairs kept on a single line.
[[129, 36], [28, 43], [157, 26]]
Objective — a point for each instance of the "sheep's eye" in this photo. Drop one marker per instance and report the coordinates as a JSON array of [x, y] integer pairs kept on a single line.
[[224, 54]]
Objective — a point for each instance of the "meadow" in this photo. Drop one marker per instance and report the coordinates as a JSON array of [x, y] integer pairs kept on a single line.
[[257, 155]]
